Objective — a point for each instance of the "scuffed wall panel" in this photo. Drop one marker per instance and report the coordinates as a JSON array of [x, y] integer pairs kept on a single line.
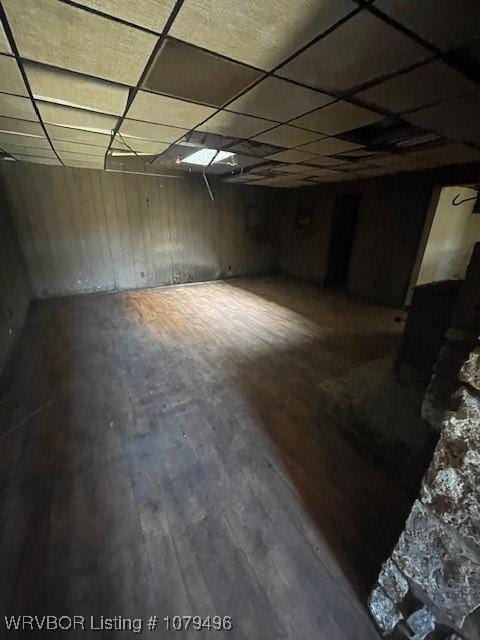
[[84, 230], [14, 287]]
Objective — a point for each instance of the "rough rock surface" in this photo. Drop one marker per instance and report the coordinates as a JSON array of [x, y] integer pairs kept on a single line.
[[451, 487], [384, 610], [422, 622], [440, 562], [438, 553], [470, 371], [393, 581]]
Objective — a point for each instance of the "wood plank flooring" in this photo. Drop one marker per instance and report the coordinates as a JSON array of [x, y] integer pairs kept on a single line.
[[164, 453]]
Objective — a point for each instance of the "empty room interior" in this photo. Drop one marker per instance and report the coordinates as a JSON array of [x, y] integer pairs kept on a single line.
[[240, 319]]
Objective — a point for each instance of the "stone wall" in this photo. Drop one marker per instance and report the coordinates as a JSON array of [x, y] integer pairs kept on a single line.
[[429, 588]]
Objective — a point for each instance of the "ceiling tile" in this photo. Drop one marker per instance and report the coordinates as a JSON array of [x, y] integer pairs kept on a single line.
[[23, 140], [83, 164], [15, 150], [144, 13], [326, 161], [308, 172], [66, 155], [457, 118], [11, 80], [361, 49], [38, 160], [338, 176], [72, 147], [75, 90], [151, 107], [21, 126], [77, 135], [354, 166], [149, 131], [183, 71], [17, 107], [140, 146], [235, 124], [80, 160], [444, 23], [400, 162], [256, 33], [64, 36], [337, 117], [374, 171], [430, 83], [292, 168], [277, 99], [292, 155], [452, 153], [4, 44], [287, 136], [328, 173], [363, 153], [283, 182], [244, 178], [329, 146], [76, 118]]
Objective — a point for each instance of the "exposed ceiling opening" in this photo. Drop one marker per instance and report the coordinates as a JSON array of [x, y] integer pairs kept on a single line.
[[205, 157]]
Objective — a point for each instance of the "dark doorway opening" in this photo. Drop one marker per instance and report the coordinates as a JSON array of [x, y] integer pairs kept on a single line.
[[344, 223]]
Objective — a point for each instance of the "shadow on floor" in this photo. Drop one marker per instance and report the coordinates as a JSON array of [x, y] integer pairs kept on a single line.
[[180, 460]]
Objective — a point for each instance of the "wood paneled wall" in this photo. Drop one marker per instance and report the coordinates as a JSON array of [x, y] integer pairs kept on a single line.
[[84, 230], [304, 251], [391, 217], [14, 285], [392, 212]]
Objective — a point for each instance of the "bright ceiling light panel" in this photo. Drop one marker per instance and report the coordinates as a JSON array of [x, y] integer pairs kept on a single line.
[[206, 156]]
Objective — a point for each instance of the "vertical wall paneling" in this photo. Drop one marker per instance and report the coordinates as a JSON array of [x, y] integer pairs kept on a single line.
[[84, 230]]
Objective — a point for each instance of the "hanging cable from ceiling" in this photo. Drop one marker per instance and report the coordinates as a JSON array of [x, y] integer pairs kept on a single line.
[[204, 173]]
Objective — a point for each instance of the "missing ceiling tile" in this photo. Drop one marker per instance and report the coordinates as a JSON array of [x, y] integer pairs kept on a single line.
[[207, 140], [389, 135], [255, 148]]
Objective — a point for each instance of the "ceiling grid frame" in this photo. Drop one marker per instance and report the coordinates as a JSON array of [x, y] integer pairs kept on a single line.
[[347, 96], [13, 46]]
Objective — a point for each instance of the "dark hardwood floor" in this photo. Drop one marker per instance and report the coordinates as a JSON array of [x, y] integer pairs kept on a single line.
[[164, 453]]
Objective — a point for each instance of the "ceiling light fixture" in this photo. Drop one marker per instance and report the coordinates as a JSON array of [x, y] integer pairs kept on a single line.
[[206, 156]]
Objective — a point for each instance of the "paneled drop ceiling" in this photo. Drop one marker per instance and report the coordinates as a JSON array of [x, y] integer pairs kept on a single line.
[[300, 93]]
